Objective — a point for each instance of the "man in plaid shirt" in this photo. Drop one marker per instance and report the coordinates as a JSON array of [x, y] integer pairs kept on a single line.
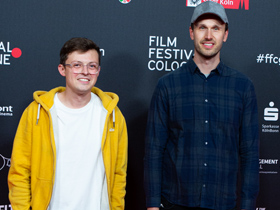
[[202, 128]]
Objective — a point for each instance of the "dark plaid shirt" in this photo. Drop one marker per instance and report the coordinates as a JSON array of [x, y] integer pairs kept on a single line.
[[197, 130]]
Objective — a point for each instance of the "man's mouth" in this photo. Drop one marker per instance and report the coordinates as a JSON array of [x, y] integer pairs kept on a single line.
[[84, 80], [208, 45]]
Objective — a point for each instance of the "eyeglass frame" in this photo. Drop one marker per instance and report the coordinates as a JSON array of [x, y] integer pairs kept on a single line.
[[82, 68]]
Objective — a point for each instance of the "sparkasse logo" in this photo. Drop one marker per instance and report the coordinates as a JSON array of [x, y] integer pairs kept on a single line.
[[228, 4]]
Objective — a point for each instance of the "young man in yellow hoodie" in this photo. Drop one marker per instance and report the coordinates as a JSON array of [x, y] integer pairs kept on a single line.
[[70, 149]]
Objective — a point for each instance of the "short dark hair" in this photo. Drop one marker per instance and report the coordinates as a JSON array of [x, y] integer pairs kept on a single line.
[[77, 44]]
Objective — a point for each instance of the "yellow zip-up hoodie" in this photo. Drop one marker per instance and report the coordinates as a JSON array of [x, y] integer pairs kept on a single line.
[[33, 162]]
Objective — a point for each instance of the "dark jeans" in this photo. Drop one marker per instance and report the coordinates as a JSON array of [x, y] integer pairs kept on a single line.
[[167, 205]]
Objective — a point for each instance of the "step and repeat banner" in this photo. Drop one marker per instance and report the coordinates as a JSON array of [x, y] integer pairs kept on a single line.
[[140, 41]]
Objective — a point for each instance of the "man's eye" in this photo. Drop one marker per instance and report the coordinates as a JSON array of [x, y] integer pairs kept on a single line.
[[77, 65], [93, 66]]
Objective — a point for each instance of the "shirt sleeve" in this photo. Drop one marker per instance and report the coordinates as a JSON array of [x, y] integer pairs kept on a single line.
[[249, 150], [20, 171], [155, 142]]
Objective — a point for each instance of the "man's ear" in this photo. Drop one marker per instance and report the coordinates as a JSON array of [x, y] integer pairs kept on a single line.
[[191, 32], [61, 70], [225, 36]]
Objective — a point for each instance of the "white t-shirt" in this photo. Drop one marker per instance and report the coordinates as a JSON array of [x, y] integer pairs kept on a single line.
[[80, 172]]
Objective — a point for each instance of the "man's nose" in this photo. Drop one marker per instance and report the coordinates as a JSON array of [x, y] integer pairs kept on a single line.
[[85, 69], [208, 34]]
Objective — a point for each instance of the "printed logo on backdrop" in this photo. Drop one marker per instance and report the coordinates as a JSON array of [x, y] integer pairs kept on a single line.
[[271, 114], [125, 1], [268, 166], [6, 207], [165, 54], [7, 52], [6, 111], [228, 4], [102, 52], [4, 162], [268, 59]]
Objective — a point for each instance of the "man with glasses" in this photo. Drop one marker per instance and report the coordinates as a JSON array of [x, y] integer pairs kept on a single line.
[[70, 149], [203, 127]]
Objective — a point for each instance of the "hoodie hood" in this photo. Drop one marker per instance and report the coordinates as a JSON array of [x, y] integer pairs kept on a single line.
[[46, 99]]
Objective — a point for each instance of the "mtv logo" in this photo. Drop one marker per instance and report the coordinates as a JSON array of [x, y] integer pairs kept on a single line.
[[228, 4]]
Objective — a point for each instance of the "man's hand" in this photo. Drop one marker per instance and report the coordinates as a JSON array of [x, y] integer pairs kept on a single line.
[[153, 208]]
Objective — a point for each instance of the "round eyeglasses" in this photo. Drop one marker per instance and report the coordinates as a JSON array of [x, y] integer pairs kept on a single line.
[[77, 67]]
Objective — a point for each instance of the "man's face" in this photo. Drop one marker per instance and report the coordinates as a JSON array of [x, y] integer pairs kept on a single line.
[[81, 83], [208, 35]]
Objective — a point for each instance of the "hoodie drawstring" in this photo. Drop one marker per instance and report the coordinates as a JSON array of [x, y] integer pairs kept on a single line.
[[38, 113], [114, 118]]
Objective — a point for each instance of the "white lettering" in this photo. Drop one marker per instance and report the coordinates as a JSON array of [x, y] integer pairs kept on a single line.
[[102, 51], [268, 161], [270, 126], [151, 40], [188, 55], [171, 43], [161, 53], [8, 47], [4, 59], [267, 56], [6, 108], [161, 65], [168, 54], [159, 42], [226, 2], [176, 53], [151, 52], [6, 207], [2, 47], [149, 65]]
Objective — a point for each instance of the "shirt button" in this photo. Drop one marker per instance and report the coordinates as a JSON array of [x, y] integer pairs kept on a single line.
[[206, 100], [206, 121], [204, 185], [205, 164], [206, 143]]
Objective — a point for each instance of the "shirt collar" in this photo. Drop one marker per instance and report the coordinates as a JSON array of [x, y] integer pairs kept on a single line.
[[219, 69]]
